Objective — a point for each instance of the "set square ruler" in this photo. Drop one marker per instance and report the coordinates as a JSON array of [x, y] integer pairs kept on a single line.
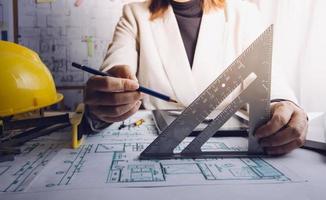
[[250, 74]]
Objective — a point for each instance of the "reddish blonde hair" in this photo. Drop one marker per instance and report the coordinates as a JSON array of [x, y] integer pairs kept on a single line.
[[158, 7]]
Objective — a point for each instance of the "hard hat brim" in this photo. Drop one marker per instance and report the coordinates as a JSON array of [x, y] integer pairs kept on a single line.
[[11, 112]]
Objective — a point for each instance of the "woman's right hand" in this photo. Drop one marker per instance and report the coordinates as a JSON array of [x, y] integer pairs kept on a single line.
[[115, 97]]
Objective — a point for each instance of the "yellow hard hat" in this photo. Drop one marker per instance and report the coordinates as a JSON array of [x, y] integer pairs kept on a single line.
[[26, 84]]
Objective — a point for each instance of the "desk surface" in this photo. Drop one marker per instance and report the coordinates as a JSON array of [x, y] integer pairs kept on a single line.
[[309, 165]]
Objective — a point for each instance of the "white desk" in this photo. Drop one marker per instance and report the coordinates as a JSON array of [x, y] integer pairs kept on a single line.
[[309, 165]]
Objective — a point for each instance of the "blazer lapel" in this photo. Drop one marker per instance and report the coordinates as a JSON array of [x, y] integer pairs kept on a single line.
[[211, 46], [174, 58]]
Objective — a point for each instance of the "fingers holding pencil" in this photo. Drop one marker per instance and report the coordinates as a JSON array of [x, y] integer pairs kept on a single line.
[[112, 99], [124, 72]]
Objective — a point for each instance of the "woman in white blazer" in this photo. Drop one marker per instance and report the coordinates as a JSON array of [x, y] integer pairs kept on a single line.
[[151, 47]]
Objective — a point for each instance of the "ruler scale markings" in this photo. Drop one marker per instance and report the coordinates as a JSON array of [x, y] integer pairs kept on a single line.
[[255, 59]]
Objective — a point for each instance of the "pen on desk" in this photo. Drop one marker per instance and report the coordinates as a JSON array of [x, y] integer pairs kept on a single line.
[[140, 89]]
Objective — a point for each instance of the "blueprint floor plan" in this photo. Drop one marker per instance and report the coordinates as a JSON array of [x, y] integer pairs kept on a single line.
[[110, 159], [16, 176]]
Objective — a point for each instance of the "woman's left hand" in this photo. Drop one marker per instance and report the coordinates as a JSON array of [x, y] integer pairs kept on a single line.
[[285, 131]]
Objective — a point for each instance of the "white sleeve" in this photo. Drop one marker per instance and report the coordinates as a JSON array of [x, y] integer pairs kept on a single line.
[[123, 49], [253, 26]]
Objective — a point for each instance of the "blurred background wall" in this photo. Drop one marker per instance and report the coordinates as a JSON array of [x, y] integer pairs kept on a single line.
[[300, 46]]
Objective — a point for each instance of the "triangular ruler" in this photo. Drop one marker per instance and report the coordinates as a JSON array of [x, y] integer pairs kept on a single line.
[[252, 69]]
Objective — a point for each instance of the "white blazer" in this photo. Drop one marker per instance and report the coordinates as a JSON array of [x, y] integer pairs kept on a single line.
[[155, 51]]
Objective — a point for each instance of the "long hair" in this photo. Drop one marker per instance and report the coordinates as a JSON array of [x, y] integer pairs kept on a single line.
[[158, 7]]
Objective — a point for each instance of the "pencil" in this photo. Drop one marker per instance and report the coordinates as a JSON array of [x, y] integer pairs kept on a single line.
[[140, 89]]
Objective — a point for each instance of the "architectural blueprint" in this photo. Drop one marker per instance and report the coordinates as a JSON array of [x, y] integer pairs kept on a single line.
[[110, 159], [63, 31], [66, 31], [16, 176]]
